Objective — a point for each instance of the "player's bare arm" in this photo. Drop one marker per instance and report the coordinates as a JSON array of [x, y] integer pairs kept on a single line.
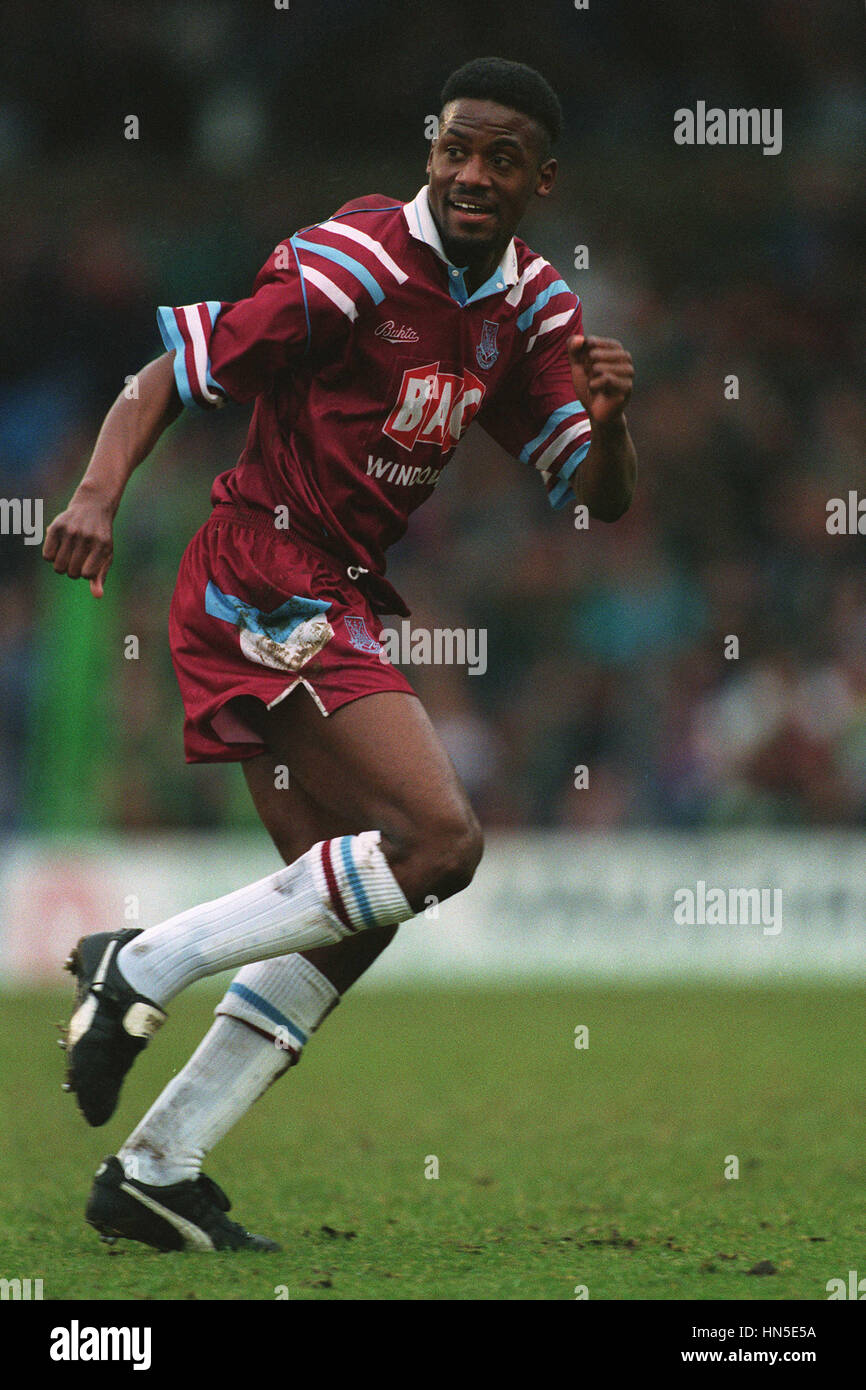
[[79, 541], [603, 375]]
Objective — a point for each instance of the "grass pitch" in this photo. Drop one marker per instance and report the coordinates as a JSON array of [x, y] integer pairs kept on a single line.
[[558, 1167]]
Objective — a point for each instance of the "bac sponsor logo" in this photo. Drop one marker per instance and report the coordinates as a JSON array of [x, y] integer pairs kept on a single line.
[[433, 407]]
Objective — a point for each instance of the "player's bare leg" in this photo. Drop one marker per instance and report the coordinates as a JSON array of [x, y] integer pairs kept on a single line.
[[376, 762]]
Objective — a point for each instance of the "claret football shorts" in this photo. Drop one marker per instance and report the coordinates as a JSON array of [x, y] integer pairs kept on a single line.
[[258, 612]]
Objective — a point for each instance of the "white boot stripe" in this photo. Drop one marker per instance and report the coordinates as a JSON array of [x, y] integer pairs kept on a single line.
[[196, 1238], [102, 968], [81, 1021]]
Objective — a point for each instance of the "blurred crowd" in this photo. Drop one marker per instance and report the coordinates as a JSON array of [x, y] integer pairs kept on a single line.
[[704, 659]]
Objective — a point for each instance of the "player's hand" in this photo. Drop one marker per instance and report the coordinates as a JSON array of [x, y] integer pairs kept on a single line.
[[79, 542], [603, 375]]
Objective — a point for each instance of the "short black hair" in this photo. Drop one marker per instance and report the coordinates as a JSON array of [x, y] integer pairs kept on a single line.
[[509, 84]]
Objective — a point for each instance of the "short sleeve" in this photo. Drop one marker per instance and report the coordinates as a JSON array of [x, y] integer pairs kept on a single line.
[[235, 351], [535, 415]]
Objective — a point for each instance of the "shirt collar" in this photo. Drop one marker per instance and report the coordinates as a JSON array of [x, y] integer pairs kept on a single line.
[[422, 227]]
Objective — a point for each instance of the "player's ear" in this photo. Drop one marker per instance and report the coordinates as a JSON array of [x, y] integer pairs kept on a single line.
[[546, 178], [430, 156]]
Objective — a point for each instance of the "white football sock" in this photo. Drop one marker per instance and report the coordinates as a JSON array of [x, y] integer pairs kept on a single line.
[[337, 888], [230, 1069], [286, 997]]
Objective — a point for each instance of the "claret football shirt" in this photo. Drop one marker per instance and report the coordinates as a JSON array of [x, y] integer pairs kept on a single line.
[[367, 359]]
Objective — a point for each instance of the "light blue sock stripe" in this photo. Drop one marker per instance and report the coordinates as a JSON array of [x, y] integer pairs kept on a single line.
[[355, 881], [250, 997]]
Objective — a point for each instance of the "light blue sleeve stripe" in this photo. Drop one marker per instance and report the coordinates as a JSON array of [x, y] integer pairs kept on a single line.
[[373, 288], [304, 294], [213, 307], [572, 408], [354, 879], [267, 1010], [559, 493], [558, 287], [173, 340]]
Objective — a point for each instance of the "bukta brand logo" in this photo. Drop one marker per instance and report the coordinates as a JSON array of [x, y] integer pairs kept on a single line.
[[433, 407], [487, 351], [358, 634], [396, 333]]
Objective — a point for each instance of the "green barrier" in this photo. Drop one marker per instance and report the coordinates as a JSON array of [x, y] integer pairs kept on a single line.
[[72, 724]]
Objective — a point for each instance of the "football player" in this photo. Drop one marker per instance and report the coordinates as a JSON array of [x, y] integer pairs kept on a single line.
[[369, 343]]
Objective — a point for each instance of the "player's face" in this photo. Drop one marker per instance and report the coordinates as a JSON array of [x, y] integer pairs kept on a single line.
[[485, 165]]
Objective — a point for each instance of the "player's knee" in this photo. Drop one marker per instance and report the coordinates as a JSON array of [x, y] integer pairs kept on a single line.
[[452, 849]]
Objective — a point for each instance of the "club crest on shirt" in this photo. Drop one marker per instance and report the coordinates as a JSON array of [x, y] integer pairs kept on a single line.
[[358, 634], [487, 351]]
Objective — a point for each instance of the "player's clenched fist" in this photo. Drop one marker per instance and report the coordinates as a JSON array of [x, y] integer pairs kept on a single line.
[[603, 375], [79, 541]]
